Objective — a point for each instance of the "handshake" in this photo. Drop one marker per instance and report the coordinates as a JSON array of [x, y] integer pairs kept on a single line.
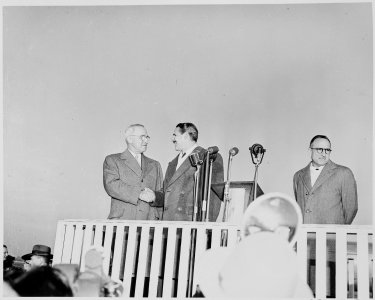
[[147, 195]]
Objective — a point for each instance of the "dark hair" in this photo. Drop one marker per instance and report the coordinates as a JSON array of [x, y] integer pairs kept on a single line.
[[190, 128], [43, 281], [319, 136]]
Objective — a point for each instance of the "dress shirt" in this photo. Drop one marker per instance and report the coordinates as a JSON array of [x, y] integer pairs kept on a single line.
[[184, 155], [138, 157], [314, 173]]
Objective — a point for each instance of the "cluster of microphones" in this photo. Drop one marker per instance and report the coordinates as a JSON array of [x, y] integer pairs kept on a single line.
[[197, 158]]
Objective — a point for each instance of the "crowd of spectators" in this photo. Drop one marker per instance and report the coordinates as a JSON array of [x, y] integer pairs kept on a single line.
[[33, 275]]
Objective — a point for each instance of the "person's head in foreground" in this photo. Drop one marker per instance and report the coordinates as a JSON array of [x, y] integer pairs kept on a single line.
[[43, 281], [273, 212], [260, 265]]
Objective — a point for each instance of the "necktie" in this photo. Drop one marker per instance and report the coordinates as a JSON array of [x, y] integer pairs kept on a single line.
[[183, 154]]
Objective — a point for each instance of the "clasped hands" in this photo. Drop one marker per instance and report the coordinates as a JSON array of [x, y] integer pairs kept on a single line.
[[147, 195]]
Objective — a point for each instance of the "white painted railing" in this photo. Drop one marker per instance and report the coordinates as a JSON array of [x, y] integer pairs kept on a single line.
[[346, 251], [152, 258]]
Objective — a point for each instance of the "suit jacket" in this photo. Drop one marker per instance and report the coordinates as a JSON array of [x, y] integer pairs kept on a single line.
[[178, 189], [332, 199], [123, 181]]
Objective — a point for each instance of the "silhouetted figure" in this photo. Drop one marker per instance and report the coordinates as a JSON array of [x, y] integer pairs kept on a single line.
[[43, 281]]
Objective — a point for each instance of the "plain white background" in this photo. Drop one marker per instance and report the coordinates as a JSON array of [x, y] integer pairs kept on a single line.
[[75, 77]]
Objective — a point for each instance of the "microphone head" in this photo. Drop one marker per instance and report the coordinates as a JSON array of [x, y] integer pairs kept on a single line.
[[256, 149], [213, 157], [233, 151], [195, 159], [213, 149]]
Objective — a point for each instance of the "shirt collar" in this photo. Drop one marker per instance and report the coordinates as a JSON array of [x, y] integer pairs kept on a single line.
[[188, 151], [134, 154], [315, 168]]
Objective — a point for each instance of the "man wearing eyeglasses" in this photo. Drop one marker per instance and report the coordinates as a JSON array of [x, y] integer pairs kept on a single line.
[[130, 179], [325, 191]]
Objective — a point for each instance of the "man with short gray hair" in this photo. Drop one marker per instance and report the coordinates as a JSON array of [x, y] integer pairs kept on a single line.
[[131, 177]]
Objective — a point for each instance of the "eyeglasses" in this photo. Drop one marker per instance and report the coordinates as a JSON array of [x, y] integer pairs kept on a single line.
[[320, 150], [142, 137]]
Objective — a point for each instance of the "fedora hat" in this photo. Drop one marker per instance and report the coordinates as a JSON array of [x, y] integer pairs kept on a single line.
[[40, 250]]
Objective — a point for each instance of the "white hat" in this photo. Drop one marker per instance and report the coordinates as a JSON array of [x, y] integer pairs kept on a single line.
[[273, 212]]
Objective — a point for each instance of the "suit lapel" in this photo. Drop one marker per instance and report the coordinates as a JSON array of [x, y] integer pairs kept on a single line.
[[306, 178], [326, 173], [146, 165], [131, 162], [181, 170], [186, 165]]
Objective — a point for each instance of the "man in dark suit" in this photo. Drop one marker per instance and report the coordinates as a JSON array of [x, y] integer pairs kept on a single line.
[[130, 178], [325, 191], [178, 187]]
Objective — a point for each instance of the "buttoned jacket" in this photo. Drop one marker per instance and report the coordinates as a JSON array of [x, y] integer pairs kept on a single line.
[[178, 189], [333, 197]]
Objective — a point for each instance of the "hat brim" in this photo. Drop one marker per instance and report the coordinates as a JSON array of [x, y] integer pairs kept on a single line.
[[29, 255]]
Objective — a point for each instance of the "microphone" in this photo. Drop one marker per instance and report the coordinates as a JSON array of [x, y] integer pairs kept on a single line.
[[257, 149], [213, 150], [233, 151], [195, 160]]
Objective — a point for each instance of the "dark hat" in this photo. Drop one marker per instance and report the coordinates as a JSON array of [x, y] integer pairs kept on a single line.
[[40, 250]]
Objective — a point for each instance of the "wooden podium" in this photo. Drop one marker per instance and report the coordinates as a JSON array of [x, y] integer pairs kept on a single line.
[[241, 194]]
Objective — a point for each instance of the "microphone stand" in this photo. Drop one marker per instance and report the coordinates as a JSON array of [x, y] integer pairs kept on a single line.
[[206, 187], [255, 182], [257, 157], [196, 192], [197, 164], [211, 159], [226, 189]]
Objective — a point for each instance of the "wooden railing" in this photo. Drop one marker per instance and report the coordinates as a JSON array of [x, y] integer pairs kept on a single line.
[[152, 259], [345, 252]]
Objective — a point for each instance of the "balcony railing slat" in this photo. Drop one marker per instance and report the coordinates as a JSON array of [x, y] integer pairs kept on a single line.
[[77, 244], [155, 263], [107, 246], [200, 246], [302, 255], [87, 241], [68, 244], [117, 253], [129, 261], [321, 264], [59, 241], [362, 265], [184, 262], [170, 261], [341, 265]]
